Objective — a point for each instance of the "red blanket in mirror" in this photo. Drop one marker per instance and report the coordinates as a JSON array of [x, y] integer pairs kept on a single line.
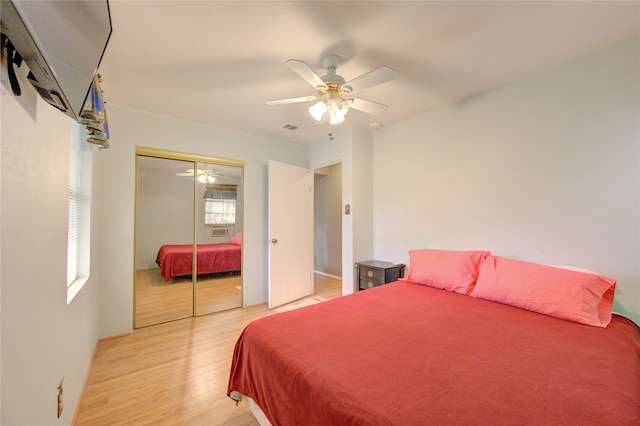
[[177, 259]]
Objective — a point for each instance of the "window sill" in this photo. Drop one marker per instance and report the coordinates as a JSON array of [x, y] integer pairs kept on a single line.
[[75, 288]]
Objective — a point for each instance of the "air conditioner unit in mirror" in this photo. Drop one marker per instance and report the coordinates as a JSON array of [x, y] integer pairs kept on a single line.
[[221, 231], [62, 43]]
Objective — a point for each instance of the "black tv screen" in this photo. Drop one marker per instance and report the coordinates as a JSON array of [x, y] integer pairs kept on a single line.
[[62, 43]]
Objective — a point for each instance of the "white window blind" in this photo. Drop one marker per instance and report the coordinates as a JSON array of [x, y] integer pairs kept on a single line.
[[78, 238], [219, 212], [220, 204], [75, 166]]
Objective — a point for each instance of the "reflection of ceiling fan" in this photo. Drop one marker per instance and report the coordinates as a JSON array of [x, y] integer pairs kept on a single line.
[[204, 176], [333, 93]]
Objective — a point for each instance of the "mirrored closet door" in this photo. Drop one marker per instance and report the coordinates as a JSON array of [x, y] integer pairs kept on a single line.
[[219, 235], [188, 243]]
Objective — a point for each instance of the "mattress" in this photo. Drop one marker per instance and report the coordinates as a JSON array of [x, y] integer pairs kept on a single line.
[[177, 259], [405, 353]]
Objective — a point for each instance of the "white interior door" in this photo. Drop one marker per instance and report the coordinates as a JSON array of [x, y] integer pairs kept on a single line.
[[290, 233]]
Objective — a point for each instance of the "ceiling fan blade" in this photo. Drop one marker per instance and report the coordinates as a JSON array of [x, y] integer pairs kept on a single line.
[[372, 78], [190, 172], [370, 107], [292, 100], [303, 70]]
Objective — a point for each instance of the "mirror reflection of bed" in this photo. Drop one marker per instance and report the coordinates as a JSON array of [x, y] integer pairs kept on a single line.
[[182, 204]]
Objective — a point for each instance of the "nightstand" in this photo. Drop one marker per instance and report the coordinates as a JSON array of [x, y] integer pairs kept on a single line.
[[373, 273]]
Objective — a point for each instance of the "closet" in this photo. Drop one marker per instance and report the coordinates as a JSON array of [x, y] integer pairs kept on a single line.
[[188, 236]]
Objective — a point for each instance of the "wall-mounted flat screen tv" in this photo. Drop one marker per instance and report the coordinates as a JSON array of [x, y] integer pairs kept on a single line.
[[62, 43]]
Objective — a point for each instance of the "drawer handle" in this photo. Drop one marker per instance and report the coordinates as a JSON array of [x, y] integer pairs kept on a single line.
[[370, 284], [370, 274]]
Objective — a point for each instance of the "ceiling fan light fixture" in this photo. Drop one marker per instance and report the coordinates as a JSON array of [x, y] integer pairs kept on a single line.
[[335, 118], [331, 88], [206, 177], [340, 107], [317, 111]]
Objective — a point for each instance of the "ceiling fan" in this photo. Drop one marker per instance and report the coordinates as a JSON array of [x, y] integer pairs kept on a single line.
[[204, 176], [333, 94]]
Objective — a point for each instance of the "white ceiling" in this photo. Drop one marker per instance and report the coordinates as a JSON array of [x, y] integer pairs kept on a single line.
[[217, 62]]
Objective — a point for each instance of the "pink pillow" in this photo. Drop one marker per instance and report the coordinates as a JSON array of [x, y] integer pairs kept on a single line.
[[236, 239], [446, 269], [569, 294]]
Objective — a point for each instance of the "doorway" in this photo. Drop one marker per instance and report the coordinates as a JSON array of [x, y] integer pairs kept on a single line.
[[327, 226], [188, 236]]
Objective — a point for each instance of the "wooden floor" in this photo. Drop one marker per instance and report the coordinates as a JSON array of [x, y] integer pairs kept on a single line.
[[158, 300], [174, 373]]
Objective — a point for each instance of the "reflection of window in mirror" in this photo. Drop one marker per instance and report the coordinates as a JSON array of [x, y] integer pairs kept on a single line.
[[219, 212], [220, 204]]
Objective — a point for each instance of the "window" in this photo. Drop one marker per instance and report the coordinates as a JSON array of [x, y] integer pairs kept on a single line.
[[220, 204], [79, 231], [219, 212]]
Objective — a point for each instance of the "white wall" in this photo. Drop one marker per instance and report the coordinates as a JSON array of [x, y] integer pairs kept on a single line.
[[43, 338], [546, 169], [115, 169], [352, 147], [362, 208]]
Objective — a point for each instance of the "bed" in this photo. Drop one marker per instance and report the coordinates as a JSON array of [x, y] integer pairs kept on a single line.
[[433, 352], [177, 259]]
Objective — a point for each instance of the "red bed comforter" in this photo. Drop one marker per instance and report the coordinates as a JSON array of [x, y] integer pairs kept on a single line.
[[407, 354], [177, 259]]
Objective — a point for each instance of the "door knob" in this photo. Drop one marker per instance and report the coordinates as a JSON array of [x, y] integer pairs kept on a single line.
[[274, 241]]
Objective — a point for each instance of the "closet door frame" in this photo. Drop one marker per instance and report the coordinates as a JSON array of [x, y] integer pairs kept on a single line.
[[194, 159]]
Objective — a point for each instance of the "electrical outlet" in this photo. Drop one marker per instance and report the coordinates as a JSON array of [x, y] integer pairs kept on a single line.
[[60, 398]]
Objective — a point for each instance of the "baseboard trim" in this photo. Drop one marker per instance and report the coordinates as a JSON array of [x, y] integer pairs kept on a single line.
[[116, 336], [327, 275]]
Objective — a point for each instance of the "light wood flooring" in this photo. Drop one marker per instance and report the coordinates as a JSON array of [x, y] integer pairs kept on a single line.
[[174, 373], [158, 300]]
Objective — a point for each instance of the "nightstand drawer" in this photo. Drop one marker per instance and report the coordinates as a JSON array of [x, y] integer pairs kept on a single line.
[[370, 274], [366, 283]]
